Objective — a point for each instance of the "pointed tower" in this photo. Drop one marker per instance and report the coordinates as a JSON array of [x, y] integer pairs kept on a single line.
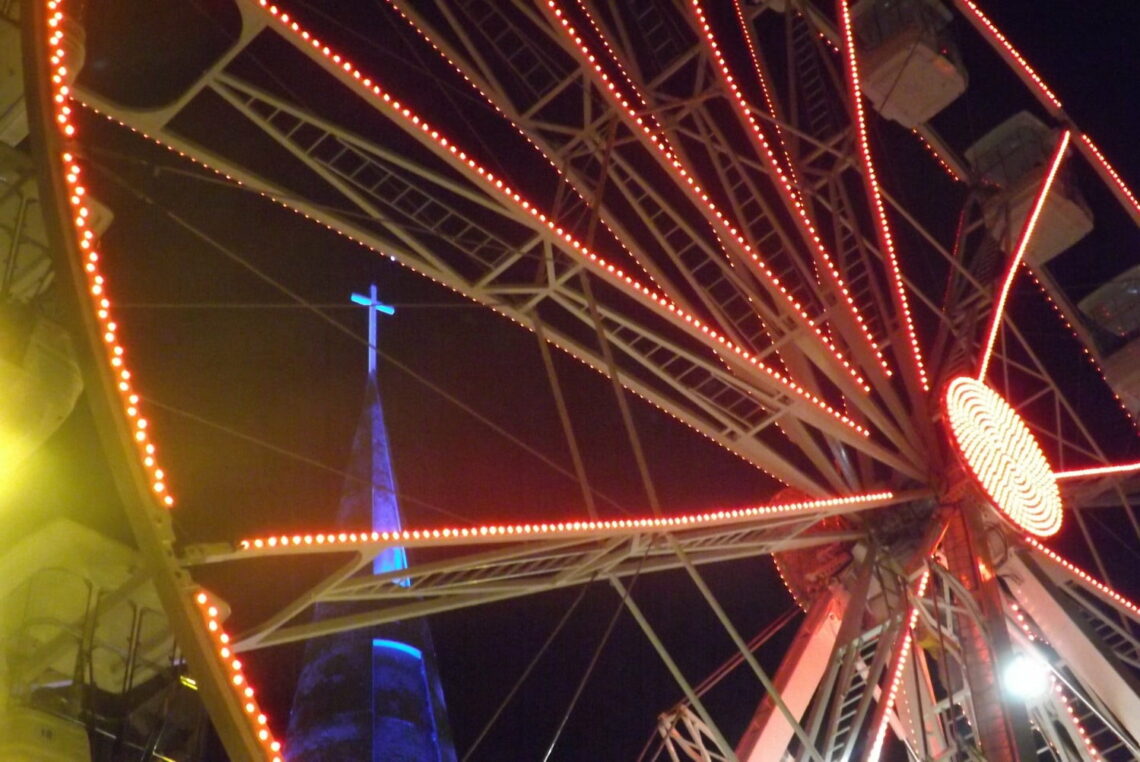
[[374, 693]]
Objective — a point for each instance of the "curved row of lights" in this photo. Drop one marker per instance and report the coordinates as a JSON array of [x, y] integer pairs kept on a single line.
[[238, 682], [994, 32], [1117, 180], [96, 283], [563, 528]]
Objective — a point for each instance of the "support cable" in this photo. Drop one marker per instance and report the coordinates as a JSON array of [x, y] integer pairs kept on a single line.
[[742, 647], [674, 670], [597, 654], [340, 327], [265, 444], [526, 673], [607, 351], [567, 424], [622, 402], [723, 671]]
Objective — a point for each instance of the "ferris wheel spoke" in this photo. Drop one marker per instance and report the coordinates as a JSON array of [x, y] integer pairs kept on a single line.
[[785, 186], [505, 257], [687, 180], [1019, 252], [918, 382], [524, 559]]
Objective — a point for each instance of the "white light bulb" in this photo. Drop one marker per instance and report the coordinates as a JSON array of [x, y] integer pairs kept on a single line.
[[1026, 677]]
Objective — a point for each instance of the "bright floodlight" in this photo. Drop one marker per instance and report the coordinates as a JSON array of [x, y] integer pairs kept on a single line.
[[1026, 677]]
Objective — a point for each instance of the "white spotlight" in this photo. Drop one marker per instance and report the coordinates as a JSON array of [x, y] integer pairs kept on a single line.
[[1026, 677]]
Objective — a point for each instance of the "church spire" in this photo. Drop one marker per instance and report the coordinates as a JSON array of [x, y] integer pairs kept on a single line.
[[372, 693]]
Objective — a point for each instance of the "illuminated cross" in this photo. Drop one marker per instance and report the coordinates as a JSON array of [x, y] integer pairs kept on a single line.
[[375, 305]]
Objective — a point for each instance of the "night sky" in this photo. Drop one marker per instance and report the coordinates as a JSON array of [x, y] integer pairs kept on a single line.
[[248, 392]]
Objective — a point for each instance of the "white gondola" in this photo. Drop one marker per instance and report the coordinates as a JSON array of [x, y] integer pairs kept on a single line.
[[1011, 159], [1114, 308], [911, 69]]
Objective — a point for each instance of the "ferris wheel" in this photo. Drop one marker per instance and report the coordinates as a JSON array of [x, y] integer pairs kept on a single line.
[[747, 216]]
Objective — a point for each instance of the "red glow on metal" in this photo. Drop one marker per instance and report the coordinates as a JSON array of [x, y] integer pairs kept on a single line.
[[614, 275], [1003, 456], [566, 529], [879, 211], [892, 692], [784, 184], [1080, 473], [1019, 252]]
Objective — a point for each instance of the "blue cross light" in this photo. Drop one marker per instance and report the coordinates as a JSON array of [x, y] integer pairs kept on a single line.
[[373, 302]]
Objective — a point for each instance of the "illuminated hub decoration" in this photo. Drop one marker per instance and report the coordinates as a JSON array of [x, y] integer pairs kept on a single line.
[[1003, 456]]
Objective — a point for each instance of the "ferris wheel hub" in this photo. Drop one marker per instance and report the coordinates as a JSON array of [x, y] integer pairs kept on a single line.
[[1002, 456]]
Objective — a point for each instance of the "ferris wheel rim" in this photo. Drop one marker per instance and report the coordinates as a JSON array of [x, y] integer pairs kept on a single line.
[[99, 341]]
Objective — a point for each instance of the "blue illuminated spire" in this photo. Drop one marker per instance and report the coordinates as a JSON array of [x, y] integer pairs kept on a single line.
[[385, 508], [374, 693]]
